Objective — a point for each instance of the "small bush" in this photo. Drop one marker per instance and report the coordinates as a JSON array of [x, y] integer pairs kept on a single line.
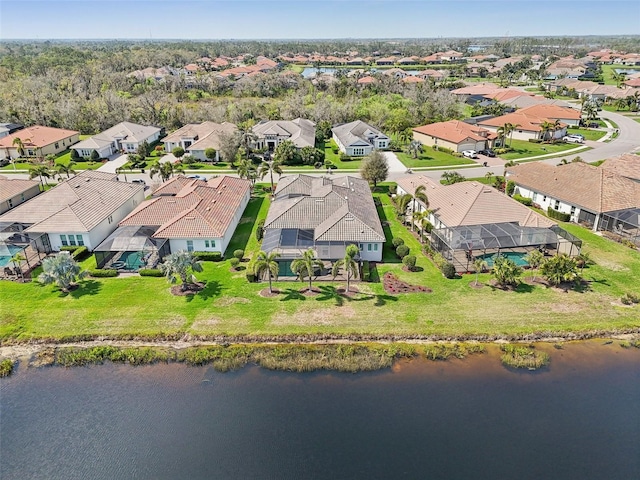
[[103, 273], [208, 256], [448, 270], [344, 157], [523, 200], [6, 367], [630, 299], [251, 277], [397, 241], [150, 272], [501, 151], [409, 261], [535, 140], [520, 356], [393, 189], [402, 251], [510, 188], [235, 261], [80, 253], [69, 248], [239, 254], [260, 230], [366, 271], [628, 243], [563, 217]]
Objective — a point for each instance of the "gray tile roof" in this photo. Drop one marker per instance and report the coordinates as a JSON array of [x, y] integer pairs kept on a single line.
[[10, 188], [125, 131], [357, 133], [300, 131], [337, 209]]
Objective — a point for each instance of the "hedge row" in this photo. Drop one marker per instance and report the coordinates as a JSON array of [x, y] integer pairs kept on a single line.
[[150, 272], [563, 217], [208, 256], [366, 271], [103, 273]]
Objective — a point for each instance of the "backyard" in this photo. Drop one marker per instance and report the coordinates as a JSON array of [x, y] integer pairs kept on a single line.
[[144, 306]]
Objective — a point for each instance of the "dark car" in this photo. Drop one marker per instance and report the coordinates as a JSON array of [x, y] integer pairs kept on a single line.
[[4, 162], [488, 152]]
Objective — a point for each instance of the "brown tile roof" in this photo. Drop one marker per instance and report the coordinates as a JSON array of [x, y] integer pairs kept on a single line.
[[592, 188], [553, 112], [78, 204], [37, 136], [524, 121], [626, 165], [455, 131], [367, 80], [412, 79], [197, 210], [472, 203], [10, 188]]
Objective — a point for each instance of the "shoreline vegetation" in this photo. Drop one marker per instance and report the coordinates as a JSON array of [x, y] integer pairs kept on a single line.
[[347, 356]]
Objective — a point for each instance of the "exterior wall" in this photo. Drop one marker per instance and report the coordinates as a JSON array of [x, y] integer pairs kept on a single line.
[[199, 244], [351, 151], [371, 251], [517, 134], [18, 199], [104, 152], [199, 154], [545, 201], [429, 141], [62, 145]]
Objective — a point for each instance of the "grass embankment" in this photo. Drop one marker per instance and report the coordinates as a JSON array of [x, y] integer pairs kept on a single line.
[[230, 307], [587, 133], [525, 149]]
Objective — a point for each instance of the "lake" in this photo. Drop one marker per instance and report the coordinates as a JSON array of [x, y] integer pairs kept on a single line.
[[310, 72], [459, 419]]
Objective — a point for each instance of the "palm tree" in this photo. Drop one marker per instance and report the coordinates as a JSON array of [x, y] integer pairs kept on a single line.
[[560, 268], [123, 171], [247, 137], [505, 270], [489, 176], [285, 152], [405, 135], [415, 148], [19, 146], [270, 167], [422, 218], [17, 260], [165, 170], [591, 110], [348, 263], [305, 266], [266, 263], [41, 171], [479, 265], [181, 264], [67, 169], [534, 258], [62, 270], [418, 194], [246, 169], [546, 127]]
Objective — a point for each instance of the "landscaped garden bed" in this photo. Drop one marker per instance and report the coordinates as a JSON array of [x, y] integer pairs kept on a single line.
[[392, 284]]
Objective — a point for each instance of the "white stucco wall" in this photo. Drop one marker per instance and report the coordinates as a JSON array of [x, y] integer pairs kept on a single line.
[[371, 251], [545, 201]]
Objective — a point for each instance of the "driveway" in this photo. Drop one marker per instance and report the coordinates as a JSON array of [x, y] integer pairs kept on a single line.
[[395, 165], [112, 165]]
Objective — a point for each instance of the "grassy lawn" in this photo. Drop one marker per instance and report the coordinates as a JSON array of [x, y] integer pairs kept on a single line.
[[335, 158], [231, 305], [432, 158], [524, 149], [607, 71], [588, 133]]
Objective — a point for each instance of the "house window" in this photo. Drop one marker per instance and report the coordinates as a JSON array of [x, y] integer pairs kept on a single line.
[[556, 205], [375, 247], [80, 240], [110, 219], [30, 153], [189, 245], [535, 197], [72, 240], [368, 247], [573, 211], [10, 203], [57, 146], [358, 151], [210, 243], [22, 197]]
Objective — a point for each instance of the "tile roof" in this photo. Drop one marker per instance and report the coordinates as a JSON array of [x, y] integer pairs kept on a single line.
[[197, 210], [472, 203], [77, 204], [592, 188], [626, 165], [337, 209], [553, 112], [357, 132], [455, 131], [37, 136], [9, 188], [199, 131], [300, 131], [524, 121], [125, 131]]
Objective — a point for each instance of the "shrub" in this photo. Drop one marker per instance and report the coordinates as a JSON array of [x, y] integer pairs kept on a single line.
[[103, 273], [443, 149], [448, 270], [366, 271], [239, 254], [563, 217], [6, 367], [523, 200], [159, 148], [251, 277], [94, 155], [535, 140], [260, 230], [397, 241], [344, 157], [501, 151], [402, 251], [510, 188], [69, 248], [409, 261], [628, 243], [208, 256], [318, 165], [80, 253], [235, 261], [630, 299], [150, 272], [393, 189]]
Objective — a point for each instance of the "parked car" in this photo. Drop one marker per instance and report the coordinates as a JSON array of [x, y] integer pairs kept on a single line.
[[469, 153], [573, 139], [4, 162], [139, 181], [197, 177], [593, 125], [488, 152]]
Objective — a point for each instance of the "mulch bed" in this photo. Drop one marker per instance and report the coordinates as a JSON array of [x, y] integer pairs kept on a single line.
[[192, 289], [309, 293], [537, 281], [392, 284], [267, 294], [352, 291], [506, 288], [478, 286]]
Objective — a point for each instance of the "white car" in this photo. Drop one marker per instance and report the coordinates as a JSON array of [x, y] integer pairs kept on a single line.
[[139, 181], [573, 139], [470, 153]]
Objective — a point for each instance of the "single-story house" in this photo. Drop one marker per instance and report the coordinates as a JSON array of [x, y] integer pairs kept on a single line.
[[195, 138], [9, 128], [358, 138], [626, 165], [581, 190], [15, 191], [38, 141], [123, 137], [456, 135], [527, 125], [567, 115], [324, 214], [472, 220], [271, 133], [82, 210], [194, 215]]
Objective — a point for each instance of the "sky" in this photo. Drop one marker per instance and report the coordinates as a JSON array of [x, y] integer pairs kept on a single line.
[[311, 19]]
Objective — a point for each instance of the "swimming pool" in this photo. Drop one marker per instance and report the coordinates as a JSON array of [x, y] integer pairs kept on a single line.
[[132, 260], [517, 257], [7, 252]]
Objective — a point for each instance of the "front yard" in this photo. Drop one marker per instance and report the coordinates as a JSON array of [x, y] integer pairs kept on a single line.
[[432, 158], [229, 305], [525, 149]]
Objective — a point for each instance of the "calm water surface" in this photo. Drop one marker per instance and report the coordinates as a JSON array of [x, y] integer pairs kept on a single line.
[[445, 420]]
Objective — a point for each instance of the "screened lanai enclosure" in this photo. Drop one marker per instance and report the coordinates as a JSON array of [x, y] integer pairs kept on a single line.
[[625, 223], [20, 252], [464, 244], [131, 248]]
